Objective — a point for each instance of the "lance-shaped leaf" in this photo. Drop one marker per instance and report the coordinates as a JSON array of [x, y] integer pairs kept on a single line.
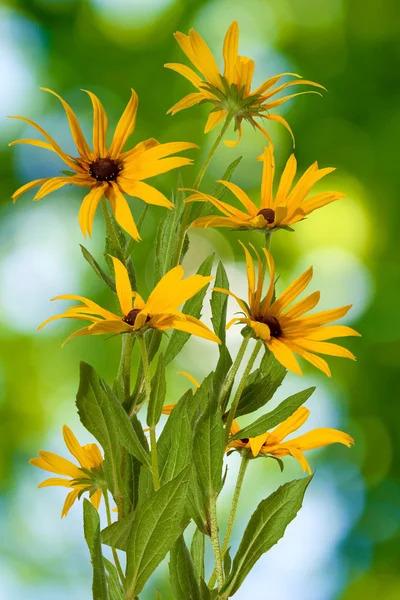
[[191, 307], [117, 534], [91, 528], [265, 528], [97, 268], [156, 526], [158, 393], [115, 589], [222, 369], [182, 575], [168, 234], [102, 414], [276, 416], [197, 550], [261, 389], [219, 303]]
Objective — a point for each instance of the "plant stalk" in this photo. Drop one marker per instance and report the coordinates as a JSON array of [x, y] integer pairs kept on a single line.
[[241, 386], [114, 552], [215, 540], [124, 369]]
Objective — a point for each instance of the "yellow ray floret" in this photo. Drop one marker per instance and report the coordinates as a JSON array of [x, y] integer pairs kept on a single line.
[[284, 327], [84, 478], [159, 312], [289, 205], [230, 92], [274, 444], [108, 171]]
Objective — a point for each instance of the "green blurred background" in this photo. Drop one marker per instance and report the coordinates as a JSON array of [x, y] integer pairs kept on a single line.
[[345, 543]]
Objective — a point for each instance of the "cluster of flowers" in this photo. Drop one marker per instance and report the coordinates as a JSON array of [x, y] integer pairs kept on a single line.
[[280, 321]]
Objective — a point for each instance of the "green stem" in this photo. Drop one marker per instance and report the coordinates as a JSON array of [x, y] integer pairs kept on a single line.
[[241, 386], [232, 514], [131, 242], [147, 387], [186, 215], [124, 369], [232, 373], [215, 540], [111, 232], [114, 552]]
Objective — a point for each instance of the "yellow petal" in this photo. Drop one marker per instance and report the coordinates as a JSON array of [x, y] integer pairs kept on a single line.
[[325, 316], [190, 377], [186, 72], [251, 277], [241, 196], [125, 126], [284, 355], [55, 482], [303, 306], [230, 52], [320, 200], [79, 138], [293, 423], [233, 144], [60, 465], [123, 285], [325, 348], [332, 331], [74, 447], [88, 208], [271, 268], [317, 438], [291, 292], [33, 142], [95, 499], [121, 210], [100, 124], [244, 74], [238, 300], [186, 102], [185, 43], [70, 499], [286, 181], [214, 118], [257, 443], [204, 59], [212, 221], [158, 298], [261, 330], [271, 81], [192, 326], [28, 186]]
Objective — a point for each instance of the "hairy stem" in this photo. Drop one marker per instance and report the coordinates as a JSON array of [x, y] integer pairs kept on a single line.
[[147, 387], [124, 369], [234, 369], [215, 540], [241, 386], [232, 514], [186, 215], [114, 552]]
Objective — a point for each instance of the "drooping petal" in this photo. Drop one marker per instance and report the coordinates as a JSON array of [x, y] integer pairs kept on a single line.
[[79, 138], [233, 144], [325, 348], [123, 286], [320, 200], [251, 277], [293, 423], [284, 355], [214, 118], [257, 443], [125, 126], [230, 52], [88, 208], [95, 499], [241, 196], [271, 81], [190, 377], [121, 210], [241, 303], [186, 102], [69, 501], [318, 438], [28, 186], [192, 326], [332, 331], [100, 124]]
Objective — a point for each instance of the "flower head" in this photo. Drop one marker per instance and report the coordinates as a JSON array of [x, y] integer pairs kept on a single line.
[[274, 444], [286, 331], [230, 92], [108, 171], [85, 478], [159, 312], [288, 206]]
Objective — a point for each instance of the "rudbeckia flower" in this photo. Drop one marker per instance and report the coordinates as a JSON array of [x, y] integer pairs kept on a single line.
[[286, 330], [159, 312], [108, 171], [274, 444], [230, 92], [288, 206], [85, 478]]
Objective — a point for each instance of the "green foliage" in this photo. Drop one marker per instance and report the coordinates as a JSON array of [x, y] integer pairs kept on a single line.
[[265, 528], [191, 307], [115, 588], [158, 393], [222, 369], [261, 388], [117, 534], [183, 577], [91, 528], [197, 550], [219, 303], [156, 526], [97, 269], [276, 416]]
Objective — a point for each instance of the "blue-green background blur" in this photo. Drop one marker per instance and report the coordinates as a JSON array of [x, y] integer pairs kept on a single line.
[[345, 543]]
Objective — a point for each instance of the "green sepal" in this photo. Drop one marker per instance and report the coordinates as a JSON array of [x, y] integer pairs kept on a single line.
[[91, 527], [265, 528]]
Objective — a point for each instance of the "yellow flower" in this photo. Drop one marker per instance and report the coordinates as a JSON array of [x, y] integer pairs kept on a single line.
[[230, 92], [84, 478], [286, 331], [287, 207], [109, 171], [159, 312], [273, 444]]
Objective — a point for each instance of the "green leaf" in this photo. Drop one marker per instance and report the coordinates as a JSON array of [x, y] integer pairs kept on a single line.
[[219, 303], [265, 528], [227, 563], [218, 192], [158, 595], [156, 526], [276, 416], [117, 534], [102, 414], [175, 443], [183, 578], [97, 269], [208, 451], [158, 393], [191, 307], [197, 550], [115, 588], [223, 366], [91, 527], [257, 394], [168, 234]]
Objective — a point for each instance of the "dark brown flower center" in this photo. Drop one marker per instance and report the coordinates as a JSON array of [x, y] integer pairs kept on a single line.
[[268, 214], [104, 169], [245, 440], [273, 324], [131, 316]]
